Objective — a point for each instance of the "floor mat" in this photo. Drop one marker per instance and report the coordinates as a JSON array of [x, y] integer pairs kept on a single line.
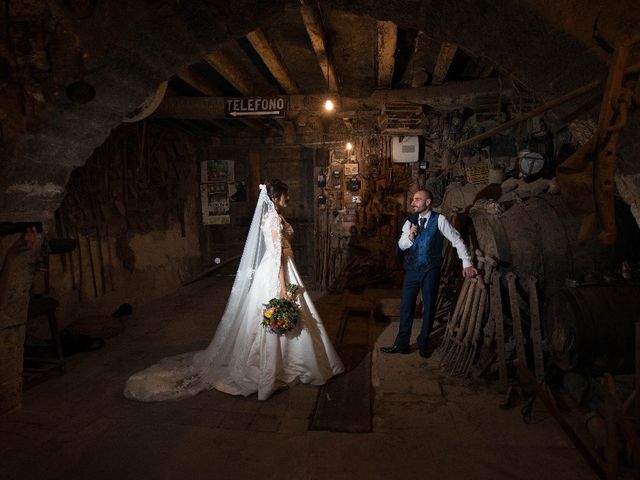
[[345, 403]]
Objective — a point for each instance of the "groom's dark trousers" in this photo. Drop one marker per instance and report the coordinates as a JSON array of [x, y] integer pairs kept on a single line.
[[421, 263]]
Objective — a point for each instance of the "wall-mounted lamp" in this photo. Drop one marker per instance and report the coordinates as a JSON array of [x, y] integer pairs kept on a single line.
[[349, 146], [328, 105]]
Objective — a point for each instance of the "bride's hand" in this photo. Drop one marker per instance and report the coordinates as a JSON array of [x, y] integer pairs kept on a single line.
[[284, 294]]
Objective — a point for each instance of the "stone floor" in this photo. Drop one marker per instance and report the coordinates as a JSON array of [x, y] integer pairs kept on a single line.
[[426, 425]]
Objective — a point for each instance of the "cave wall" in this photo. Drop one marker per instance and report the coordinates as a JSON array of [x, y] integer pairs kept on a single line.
[[133, 210]]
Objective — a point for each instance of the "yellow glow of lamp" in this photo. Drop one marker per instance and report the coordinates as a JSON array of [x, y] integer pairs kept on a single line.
[[328, 105], [349, 146]]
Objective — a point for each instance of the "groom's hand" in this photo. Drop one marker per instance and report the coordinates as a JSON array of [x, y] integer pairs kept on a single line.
[[469, 272]]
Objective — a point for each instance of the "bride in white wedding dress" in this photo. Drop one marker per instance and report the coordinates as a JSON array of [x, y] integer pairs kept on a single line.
[[243, 358]]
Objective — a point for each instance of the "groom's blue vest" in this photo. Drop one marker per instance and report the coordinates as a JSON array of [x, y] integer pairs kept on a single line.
[[426, 251]]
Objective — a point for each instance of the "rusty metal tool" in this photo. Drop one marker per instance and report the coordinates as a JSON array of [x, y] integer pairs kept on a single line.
[[453, 320], [65, 231], [460, 363], [621, 419], [461, 355], [91, 264], [60, 234], [467, 318], [586, 178], [456, 352], [586, 452], [515, 317], [103, 278], [613, 116], [472, 340], [109, 259], [80, 270], [475, 339], [489, 265], [496, 313], [536, 330], [456, 328]]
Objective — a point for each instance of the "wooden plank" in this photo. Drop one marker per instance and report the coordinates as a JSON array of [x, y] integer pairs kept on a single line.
[[587, 453], [387, 43], [196, 81], [317, 37], [445, 57], [637, 376], [233, 64], [272, 60], [447, 96], [255, 176]]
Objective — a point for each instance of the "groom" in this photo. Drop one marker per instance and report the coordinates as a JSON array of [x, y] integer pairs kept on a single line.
[[421, 245]]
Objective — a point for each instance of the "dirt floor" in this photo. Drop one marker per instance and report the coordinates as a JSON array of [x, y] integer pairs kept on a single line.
[[424, 424]]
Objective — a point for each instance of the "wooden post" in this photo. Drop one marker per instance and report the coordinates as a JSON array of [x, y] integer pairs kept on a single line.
[[637, 380], [584, 449], [254, 178], [611, 449]]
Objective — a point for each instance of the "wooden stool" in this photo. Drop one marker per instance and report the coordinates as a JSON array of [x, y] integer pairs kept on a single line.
[[46, 306]]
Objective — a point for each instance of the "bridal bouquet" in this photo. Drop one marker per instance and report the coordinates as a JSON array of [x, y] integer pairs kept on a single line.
[[280, 315]]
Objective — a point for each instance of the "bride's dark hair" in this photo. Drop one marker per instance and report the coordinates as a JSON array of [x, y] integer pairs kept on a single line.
[[275, 188]]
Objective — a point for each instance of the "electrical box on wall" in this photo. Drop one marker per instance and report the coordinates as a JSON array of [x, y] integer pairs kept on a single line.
[[404, 149]]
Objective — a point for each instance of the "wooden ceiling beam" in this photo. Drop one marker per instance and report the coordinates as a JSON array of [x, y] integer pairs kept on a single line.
[[387, 43], [196, 81], [226, 127], [486, 71], [445, 57], [444, 97], [317, 37], [233, 64], [272, 60], [259, 126]]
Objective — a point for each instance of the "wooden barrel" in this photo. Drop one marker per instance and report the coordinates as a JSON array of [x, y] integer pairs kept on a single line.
[[459, 197], [539, 237], [592, 328]]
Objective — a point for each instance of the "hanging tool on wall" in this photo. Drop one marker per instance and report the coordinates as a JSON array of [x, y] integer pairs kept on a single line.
[[536, 329], [496, 313], [586, 178], [91, 264], [80, 269], [515, 317]]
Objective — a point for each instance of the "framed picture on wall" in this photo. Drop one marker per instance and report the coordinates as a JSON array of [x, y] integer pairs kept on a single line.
[[351, 169], [217, 185]]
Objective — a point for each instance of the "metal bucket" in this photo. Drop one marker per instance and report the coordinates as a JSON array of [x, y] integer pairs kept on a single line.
[[592, 328]]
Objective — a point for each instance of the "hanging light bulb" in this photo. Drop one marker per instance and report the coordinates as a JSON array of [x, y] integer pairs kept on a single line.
[[328, 105], [349, 146]]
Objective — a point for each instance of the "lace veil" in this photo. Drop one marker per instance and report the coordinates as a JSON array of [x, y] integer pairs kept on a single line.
[[190, 373], [263, 238]]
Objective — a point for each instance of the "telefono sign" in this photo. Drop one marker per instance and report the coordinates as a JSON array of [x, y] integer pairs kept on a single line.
[[255, 106]]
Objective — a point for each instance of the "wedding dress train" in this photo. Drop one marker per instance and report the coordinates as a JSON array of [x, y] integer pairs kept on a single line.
[[243, 358]]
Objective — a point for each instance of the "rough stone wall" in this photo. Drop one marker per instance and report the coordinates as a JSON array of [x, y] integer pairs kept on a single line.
[[122, 50], [134, 212]]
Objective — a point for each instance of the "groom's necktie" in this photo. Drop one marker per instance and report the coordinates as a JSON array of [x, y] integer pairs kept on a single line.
[[423, 223]]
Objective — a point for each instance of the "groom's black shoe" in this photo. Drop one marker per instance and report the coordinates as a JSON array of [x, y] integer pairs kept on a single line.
[[394, 349], [425, 353]]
